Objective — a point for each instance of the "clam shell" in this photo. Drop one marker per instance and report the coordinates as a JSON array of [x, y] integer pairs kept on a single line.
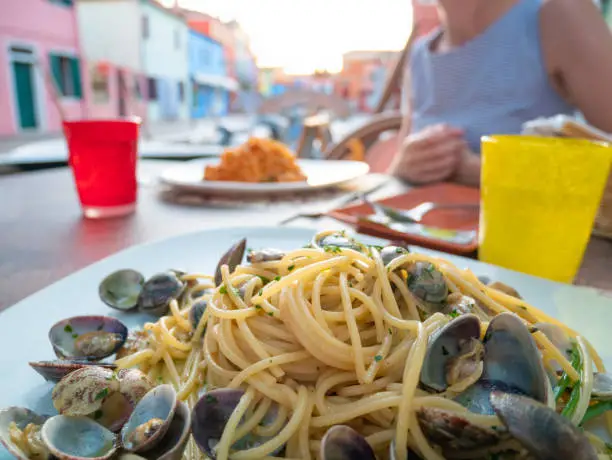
[[158, 291], [343, 443], [72, 438], [134, 384], [22, 417], [159, 403], [173, 443], [83, 391], [232, 258], [120, 289], [64, 335], [389, 253], [54, 371], [444, 346]]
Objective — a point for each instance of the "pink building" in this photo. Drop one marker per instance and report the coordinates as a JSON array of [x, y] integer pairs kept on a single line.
[[38, 38]]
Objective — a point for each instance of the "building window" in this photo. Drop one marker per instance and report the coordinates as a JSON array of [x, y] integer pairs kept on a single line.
[[99, 84], [152, 86], [68, 3], [177, 39], [145, 27], [66, 72], [181, 91], [137, 88]]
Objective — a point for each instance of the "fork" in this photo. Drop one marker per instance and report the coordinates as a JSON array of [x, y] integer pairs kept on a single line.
[[415, 215]]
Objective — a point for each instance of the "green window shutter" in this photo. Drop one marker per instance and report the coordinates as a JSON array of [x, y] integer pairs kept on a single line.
[[56, 73], [76, 77]]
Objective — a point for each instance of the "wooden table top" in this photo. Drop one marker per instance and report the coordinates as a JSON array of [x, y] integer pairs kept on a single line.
[[43, 236]]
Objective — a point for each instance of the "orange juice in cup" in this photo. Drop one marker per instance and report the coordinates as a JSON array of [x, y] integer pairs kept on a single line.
[[539, 200]]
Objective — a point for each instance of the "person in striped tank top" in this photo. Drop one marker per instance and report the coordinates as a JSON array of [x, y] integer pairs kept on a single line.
[[492, 66]]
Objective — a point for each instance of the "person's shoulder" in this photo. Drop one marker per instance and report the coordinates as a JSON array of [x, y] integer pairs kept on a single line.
[[568, 11]]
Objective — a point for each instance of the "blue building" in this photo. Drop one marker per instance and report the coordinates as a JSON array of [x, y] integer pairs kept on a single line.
[[211, 85]]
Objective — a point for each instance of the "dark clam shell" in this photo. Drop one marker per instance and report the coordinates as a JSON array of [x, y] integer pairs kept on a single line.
[[196, 312], [173, 443], [54, 371], [90, 338], [210, 415], [540, 430], [338, 240], [120, 289], [232, 258], [343, 443], [158, 291], [389, 253], [427, 283]]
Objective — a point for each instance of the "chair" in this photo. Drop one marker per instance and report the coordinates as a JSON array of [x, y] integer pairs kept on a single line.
[[367, 143]]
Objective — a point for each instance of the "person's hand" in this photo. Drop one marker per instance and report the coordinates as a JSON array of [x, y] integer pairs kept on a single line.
[[431, 155]]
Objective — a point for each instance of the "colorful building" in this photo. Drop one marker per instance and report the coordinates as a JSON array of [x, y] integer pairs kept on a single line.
[[247, 72], [210, 85], [39, 39], [114, 81], [137, 59]]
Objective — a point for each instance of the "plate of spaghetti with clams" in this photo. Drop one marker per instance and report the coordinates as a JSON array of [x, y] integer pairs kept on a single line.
[[290, 345]]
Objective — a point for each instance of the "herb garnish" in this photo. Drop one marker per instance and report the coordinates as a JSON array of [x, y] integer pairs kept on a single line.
[[378, 358], [390, 331], [290, 267], [270, 313], [257, 307], [223, 289], [277, 278], [100, 327], [264, 280], [68, 328], [454, 313], [211, 399], [444, 351], [74, 336], [102, 394], [332, 248]]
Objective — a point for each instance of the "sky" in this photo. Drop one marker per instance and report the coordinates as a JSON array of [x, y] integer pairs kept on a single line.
[[307, 35]]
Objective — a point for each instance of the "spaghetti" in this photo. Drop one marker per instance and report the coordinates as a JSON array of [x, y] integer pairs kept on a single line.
[[325, 336]]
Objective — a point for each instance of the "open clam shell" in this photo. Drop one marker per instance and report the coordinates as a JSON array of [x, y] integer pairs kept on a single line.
[[72, 438], [173, 443], [21, 417], [150, 420], [343, 443], [389, 253], [54, 371], [232, 258], [333, 241], [89, 338], [120, 289], [446, 345]]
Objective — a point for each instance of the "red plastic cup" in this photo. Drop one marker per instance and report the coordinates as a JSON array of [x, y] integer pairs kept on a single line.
[[102, 155]]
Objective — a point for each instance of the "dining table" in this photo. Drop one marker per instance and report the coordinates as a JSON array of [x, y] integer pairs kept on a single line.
[[44, 236]]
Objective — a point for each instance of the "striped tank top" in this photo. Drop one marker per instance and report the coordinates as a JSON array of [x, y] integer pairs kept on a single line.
[[490, 85]]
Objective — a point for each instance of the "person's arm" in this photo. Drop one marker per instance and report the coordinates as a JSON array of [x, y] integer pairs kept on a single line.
[[577, 45]]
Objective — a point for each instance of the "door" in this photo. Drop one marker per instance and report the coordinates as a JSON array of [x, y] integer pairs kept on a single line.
[[23, 73], [121, 93]]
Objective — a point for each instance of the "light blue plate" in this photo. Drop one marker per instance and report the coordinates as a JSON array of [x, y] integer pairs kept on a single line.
[[24, 327]]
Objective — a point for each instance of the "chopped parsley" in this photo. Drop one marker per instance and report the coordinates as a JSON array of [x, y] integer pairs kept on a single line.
[[378, 358], [264, 280], [223, 289], [378, 248], [102, 394], [98, 414], [332, 248], [523, 307], [444, 351], [390, 331], [257, 307], [74, 336], [260, 292], [68, 328], [100, 327], [270, 313], [160, 379], [290, 267], [277, 278], [211, 399], [454, 313], [399, 250], [249, 250]]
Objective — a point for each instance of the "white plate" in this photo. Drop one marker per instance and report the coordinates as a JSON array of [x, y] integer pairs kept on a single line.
[[24, 327], [320, 173]]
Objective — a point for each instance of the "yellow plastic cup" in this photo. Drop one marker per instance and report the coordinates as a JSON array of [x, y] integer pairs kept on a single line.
[[539, 198]]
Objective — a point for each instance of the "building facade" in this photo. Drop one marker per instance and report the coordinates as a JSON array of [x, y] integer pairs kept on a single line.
[[210, 84], [113, 76], [165, 61], [38, 43]]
